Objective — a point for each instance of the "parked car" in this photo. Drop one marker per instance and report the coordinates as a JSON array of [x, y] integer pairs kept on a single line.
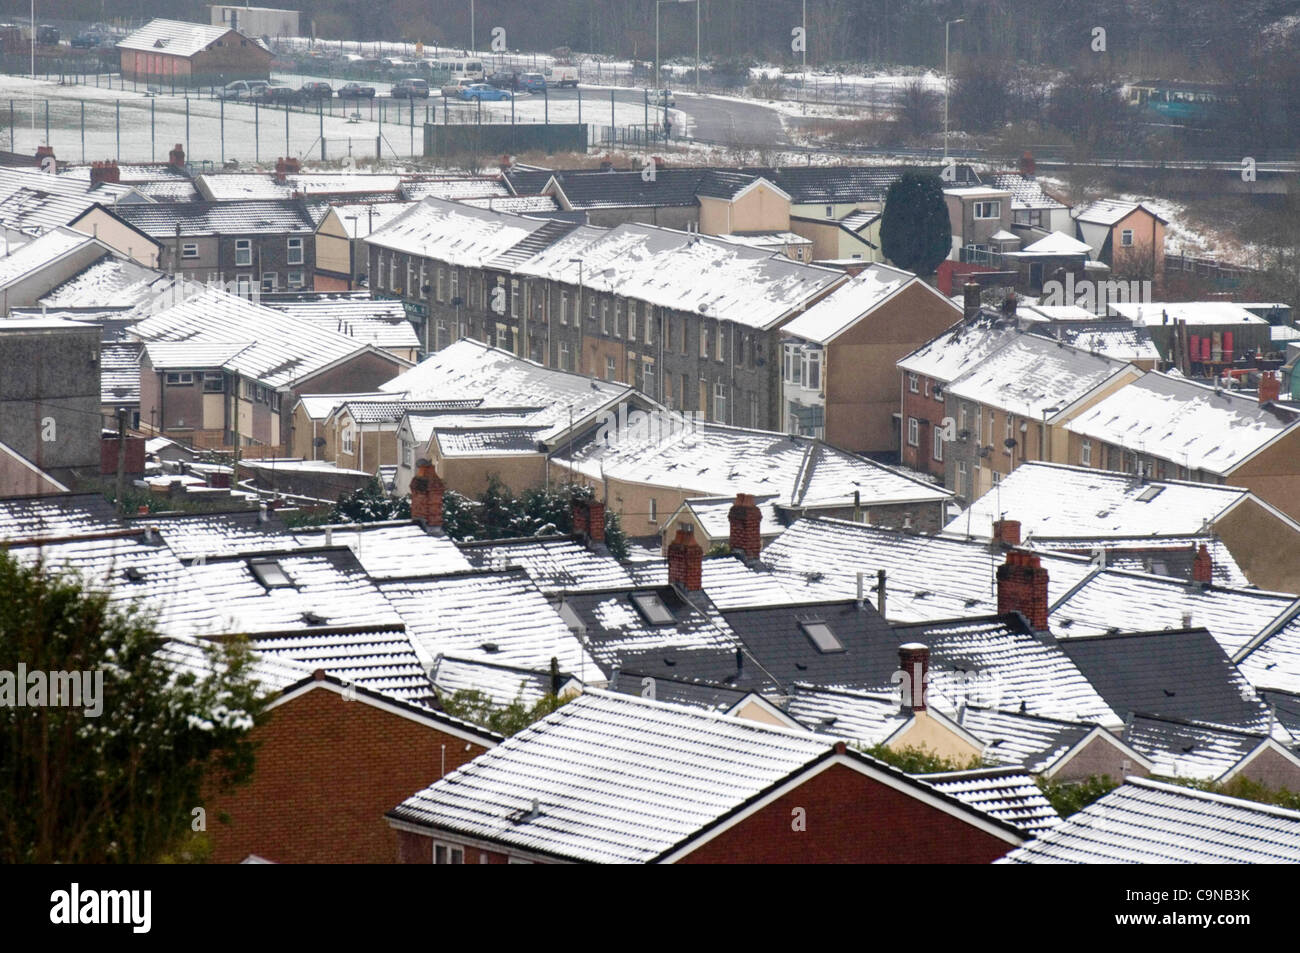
[[533, 82], [504, 80], [315, 91], [453, 90], [87, 41], [561, 76], [665, 98], [47, 35], [482, 92], [411, 88], [356, 91], [244, 89], [276, 93]]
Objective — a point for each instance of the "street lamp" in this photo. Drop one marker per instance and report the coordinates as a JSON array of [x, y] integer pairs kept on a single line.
[[471, 27], [946, 28]]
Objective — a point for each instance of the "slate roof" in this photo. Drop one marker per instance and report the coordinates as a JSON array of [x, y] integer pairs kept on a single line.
[[1030, 741], [962, 347], [685, 271], [851, 302], [266, 217], [868, 718], [1180, 748], [617, 779], [1008, 794], [55, 516], [502, 684], [453, 232], [554, 563], [498, 617], [716, 460], [1118, 340], [678, 691], [1026, 191], [1139, 602], [41, 253], [837, 185], [1171, 556], [381, 659], [1178, 674], [112, 282], [599, 190], [119, 373], [1060, 501], [1274, 661], [380, 322], [1150, 822], [242, 186], [711, 514], [468, 187]]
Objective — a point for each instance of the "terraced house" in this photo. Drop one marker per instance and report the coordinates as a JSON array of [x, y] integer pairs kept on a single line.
[[689, 320]]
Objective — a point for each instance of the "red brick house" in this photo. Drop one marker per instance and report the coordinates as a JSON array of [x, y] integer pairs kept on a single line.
[[341, 754], [630, 780]]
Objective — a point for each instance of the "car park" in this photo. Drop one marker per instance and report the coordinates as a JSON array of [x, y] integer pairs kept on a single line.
[[242, 89], [315, 90], [410, 88], [484, 92]]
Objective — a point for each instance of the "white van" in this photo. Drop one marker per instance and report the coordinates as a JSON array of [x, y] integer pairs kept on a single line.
[[460, 71], [560, 76]]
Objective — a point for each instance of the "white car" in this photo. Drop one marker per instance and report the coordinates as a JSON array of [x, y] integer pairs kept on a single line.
[[665, 98]]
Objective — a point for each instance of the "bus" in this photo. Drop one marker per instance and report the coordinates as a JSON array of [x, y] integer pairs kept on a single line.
[[1179, 102]]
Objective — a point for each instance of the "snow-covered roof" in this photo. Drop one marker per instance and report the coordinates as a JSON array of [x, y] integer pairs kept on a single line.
[[389, 550], [1026, 192], [766, 240], [453, 232], [54, 516], [1113, 338], [470, 370], [1059, 501], [1172, 556], [1031, 375], [459, 189], [163, 220], [1154, 313], [927, 577], [684, 271], [851, 302], [1192, 425], [1110, 211], [1008, 794], [716, 460], [119, 373], [1178, 748], [381, 322], [1273, 662], [711, 514], [244, 186], [1057, 243], [1119, 601], [1151, 822], [111, 281], [502, 684], [174, 37], [42, 252], [961, 347], [554, 563], [320, 406], [381, 659], [361, 218], [488, 616], [279, 350]]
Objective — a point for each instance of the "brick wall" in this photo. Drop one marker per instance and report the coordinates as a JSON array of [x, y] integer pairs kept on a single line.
[[850, 819], [327, 771], [415, 848]]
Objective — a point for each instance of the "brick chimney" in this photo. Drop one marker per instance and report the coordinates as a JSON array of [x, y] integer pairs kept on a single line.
[[1027, 165], [1270, 388], [427, 489], [914, 666], [686, 560], [1009, 304], [745, 519], [1203, 566], [176, 157], [280, 171], [1006, 532], [970, 300], [606, 164], [589, 519], [42, 152], [504, 164], [1022, 587], [292, 165], [104, 172]]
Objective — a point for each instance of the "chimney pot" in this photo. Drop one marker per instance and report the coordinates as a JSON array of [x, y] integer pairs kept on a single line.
[[686, 560], [1203, 566], [914, 664], [745, 519], [1022, 587], [970, 299], [1027, 164], [1270, 388]]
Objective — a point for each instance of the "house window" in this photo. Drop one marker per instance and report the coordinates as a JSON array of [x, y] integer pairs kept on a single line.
[[410, 275], [1010, 427], [244, 286], [610, 368], [347, 440], [392, 273], [649, 327], [295, 251], [632, 368], [180, 378], [830, 211], [631, 324], [812, 368], [1085, 453], [243, 252], [965, 419], [653, 514], [250, 390], [295, 280], [704, 341], [685, 347], [719, 341], [564, 307], [442, 284], [447, 854], [668, 334], [424, 279], [1126, 237], [379, 270], [913, 432], [408, 454], [514, 298], [275, 401], [720, 402], [564, 355], [454, 282], [793, 364], [912, 380], [991, 209], [938, 444], [214, 382], [268, 282], [962, 476], [604, 318], [753, 409], [648, 376], [190, 250]]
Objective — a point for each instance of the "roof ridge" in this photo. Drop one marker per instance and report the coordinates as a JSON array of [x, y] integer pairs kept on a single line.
[[1197, 793]]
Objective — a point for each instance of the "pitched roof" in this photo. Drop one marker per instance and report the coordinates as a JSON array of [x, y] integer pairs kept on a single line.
[[1195, 313], [1008, 794], [1193, 425], [1273, 661], [111, 281], [1118, 340], [1026, 191], [554, 563], [712, 515], [381, 659], [381, 322], [119, 372], [1030, 375], [1110, 211], [684, 271], [40, 253], [162, 220], [176, 37], [1181, 748], [453, 232], [598, 190], [1057, 243], [502, 684], [1150, 822], [618, 779], [851, 302], [54, 516], [961, 347]]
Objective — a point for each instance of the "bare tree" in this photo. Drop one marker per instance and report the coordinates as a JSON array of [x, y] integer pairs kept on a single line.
[[918, 110]]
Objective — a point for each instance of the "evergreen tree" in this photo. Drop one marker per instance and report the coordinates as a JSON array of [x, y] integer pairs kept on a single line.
[[915, 233]]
